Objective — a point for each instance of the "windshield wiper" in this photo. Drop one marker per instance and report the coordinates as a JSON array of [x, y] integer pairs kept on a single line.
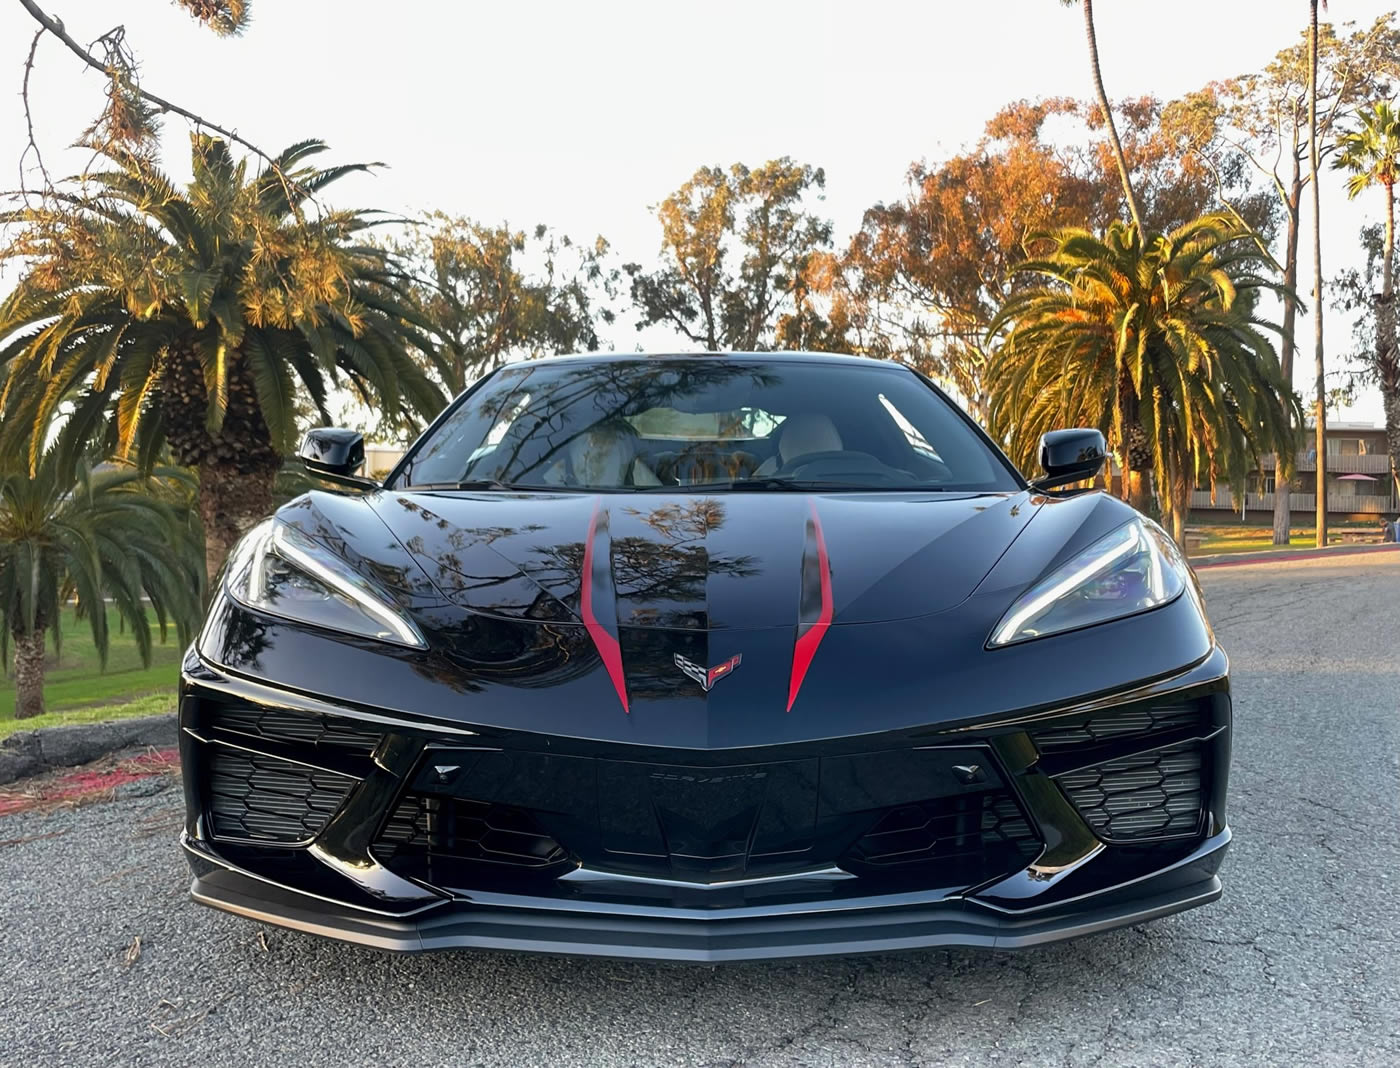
[[770, 483], [469, 484], [778, 482]]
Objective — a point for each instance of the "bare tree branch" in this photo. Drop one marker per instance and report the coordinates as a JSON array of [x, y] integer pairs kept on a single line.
[[54, 26], [33, 145]]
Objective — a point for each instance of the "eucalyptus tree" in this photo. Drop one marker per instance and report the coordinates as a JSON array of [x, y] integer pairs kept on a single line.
[[1154, 342], [199, 318], [924, 276], [1263, 117], [1319, 356], [113, 539], [493, 293], [738, 249]]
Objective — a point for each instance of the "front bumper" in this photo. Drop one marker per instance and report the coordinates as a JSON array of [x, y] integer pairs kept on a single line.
[[1111, 813], [884, 924]]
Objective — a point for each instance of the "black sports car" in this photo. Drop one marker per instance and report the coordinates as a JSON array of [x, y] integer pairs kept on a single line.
[[706, 658]]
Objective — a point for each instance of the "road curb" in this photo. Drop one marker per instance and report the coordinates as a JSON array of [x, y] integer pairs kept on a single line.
[[27, 753], [1274, 556]]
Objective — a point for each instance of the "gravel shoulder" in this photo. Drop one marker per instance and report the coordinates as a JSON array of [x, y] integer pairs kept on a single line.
[[1297, 963]]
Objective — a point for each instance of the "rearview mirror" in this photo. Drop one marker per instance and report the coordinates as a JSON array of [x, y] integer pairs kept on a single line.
[[1069, 456], [335, 454]]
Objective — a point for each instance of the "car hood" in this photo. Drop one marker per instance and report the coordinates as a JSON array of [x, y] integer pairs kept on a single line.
[[681, 589], [683, 561]]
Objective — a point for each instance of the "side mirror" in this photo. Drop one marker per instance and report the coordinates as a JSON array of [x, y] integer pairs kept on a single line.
[[1070, 456], [335, 454]]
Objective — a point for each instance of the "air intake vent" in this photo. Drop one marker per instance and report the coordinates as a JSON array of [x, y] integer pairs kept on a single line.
[[1146, 789], [425, 833], [262, 798], [1116, 725], [1155, 795], [296, 728], [971, 837]]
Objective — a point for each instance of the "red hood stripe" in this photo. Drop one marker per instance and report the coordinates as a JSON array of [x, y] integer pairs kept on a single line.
[[805, 648], [603, 640]]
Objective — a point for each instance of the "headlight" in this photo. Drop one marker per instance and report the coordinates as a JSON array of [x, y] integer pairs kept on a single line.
[[1130, 570], [278, 570]]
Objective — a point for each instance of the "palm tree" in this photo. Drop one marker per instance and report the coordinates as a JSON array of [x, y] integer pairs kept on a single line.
[[1320, 416], [1159, 340], [188, 317], [1372, 154], [107, 537], [1133, 208]]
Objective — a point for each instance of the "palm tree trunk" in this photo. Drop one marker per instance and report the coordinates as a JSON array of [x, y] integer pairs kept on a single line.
[[237, 465], [1134, 462], [1181, 510], [29, 674], [1120, 429], [1112, 128], [1282, 515], [232, 500], [1321, 418]]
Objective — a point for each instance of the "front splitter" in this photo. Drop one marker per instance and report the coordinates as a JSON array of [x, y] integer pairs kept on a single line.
[[536, 925]]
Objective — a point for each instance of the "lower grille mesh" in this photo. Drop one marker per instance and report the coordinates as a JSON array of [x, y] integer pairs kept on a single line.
[[425, 829], [1153, 795], [266, 799], [965, 834]]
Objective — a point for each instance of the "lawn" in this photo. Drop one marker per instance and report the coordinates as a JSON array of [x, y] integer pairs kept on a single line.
[[1237, 537], [78, 690]]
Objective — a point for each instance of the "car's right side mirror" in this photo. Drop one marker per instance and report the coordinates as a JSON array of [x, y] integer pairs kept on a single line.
[[1070, 456]]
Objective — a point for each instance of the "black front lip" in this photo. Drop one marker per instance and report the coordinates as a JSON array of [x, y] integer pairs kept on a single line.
[[871, 925]]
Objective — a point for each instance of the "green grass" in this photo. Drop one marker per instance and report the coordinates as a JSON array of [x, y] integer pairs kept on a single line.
[[1236, 537], [150, 705], [77, 690]]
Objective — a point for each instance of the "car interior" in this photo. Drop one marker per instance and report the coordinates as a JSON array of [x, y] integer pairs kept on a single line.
[[577, 428], [806, 445]]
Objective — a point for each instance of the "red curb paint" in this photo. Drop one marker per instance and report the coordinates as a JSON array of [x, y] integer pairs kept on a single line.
[[90, 781]]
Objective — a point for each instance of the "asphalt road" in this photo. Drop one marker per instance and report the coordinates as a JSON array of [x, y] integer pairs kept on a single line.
[[1297, 964]]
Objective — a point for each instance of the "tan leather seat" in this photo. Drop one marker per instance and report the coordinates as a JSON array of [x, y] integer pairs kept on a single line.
[[604, 455], [801, 435]]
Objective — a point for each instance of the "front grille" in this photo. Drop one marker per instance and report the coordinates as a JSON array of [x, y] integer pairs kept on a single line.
[[302, 729], [971, 837], [266, 799], [1154, 795], [1144, 789], [426, 832]]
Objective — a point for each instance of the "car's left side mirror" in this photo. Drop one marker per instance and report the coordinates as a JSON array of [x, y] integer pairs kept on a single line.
[[1069, 456], [335, 454]]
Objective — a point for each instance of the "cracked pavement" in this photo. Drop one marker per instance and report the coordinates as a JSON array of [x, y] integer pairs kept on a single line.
[[1297, 963]]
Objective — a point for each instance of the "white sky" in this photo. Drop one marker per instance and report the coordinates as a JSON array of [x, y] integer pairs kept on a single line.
[[581, 115]]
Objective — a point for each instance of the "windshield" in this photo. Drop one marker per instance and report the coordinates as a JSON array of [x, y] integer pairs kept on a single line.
[[707, 423]]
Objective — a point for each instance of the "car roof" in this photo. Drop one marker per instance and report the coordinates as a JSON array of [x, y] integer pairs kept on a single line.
[[783, 356]]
